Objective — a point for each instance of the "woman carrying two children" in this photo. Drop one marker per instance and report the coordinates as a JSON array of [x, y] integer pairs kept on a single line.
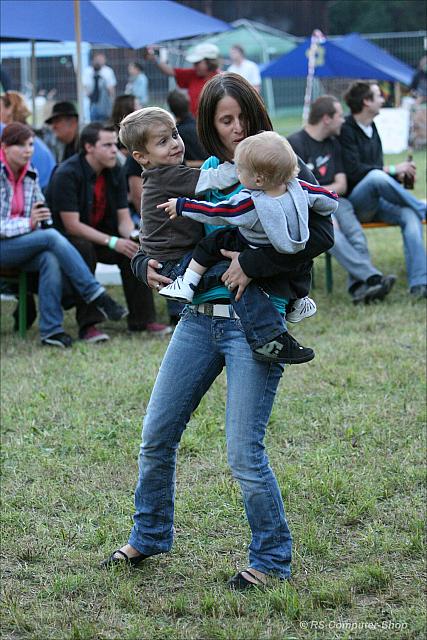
[[207, 339]]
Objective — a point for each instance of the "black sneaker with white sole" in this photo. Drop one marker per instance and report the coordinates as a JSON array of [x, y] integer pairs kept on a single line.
[[285, 349], [61, 340], [109, 308]]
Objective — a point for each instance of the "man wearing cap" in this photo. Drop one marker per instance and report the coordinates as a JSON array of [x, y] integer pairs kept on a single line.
[[64, 123], [204, 58]]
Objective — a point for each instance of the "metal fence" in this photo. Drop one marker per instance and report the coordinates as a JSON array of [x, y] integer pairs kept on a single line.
[[408, 47], [55, 73]]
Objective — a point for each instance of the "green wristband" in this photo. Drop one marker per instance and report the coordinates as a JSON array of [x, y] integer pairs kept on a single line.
[[392, 170], [113, 241]]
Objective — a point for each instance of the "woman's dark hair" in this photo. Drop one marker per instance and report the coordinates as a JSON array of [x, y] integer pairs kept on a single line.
[[16, 133], [90, 134], [123, 106], [253, 110]]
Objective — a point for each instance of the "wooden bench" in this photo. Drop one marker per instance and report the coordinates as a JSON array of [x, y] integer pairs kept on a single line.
[[328, 258], [18, 277]]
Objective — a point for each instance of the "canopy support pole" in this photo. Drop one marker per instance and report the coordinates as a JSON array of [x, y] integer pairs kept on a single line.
[[77, 30], [397, 94], [317, 38], [33, 81]]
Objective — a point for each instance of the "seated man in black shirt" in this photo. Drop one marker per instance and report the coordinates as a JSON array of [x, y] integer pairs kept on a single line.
[[317, 145]]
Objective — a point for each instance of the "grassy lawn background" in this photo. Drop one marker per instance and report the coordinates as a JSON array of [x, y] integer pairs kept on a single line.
[[347, 443]]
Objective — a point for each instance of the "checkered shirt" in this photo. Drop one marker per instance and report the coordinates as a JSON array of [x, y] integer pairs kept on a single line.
[[18, 225]]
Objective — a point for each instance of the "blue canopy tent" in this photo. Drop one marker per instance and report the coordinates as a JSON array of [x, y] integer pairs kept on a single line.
[[385, 62], [122, 23], [347, 57]]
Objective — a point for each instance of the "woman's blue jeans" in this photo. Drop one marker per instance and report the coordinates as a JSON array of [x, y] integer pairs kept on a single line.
[[380, 197], [49, 253], [200, 347]]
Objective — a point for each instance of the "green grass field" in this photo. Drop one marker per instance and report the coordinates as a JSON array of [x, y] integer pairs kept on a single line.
[[347, 443]]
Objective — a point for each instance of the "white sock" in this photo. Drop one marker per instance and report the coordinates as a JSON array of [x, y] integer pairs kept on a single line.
[[191, 277]]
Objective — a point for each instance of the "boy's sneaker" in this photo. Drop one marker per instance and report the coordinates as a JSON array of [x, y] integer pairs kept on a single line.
[[285, 349], [300, 309], [109, 308], [61, 340], [178, 290], [92, 334]]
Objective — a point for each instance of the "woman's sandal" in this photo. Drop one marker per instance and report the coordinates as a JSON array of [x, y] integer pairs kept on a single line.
[[125, 559], [240, 583]]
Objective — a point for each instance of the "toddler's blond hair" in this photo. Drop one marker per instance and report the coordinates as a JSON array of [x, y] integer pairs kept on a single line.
[[135, 128], [269, 156]]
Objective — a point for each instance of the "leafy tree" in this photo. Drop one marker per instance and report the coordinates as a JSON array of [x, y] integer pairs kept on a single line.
[[376, 16]]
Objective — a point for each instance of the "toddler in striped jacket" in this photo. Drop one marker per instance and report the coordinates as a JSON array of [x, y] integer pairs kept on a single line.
[[272, 209]]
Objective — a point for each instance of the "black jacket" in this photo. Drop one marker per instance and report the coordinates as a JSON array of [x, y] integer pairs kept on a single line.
[[360, 154], [275, 268], [71, 189]]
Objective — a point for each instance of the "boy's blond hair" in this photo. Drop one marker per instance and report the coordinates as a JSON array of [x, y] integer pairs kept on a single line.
[[269, 156], [135, 129]]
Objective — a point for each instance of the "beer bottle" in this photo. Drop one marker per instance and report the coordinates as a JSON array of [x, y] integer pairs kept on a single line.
[[134, 235], [408, 181]]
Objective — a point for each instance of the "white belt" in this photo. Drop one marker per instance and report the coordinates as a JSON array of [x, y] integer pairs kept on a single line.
[[220, 310]]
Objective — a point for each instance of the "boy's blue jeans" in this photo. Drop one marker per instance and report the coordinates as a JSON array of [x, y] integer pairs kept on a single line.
[[260, 319]]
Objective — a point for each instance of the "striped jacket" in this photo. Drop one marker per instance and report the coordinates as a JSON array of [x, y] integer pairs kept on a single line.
[[18, 225], [265, 220]]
